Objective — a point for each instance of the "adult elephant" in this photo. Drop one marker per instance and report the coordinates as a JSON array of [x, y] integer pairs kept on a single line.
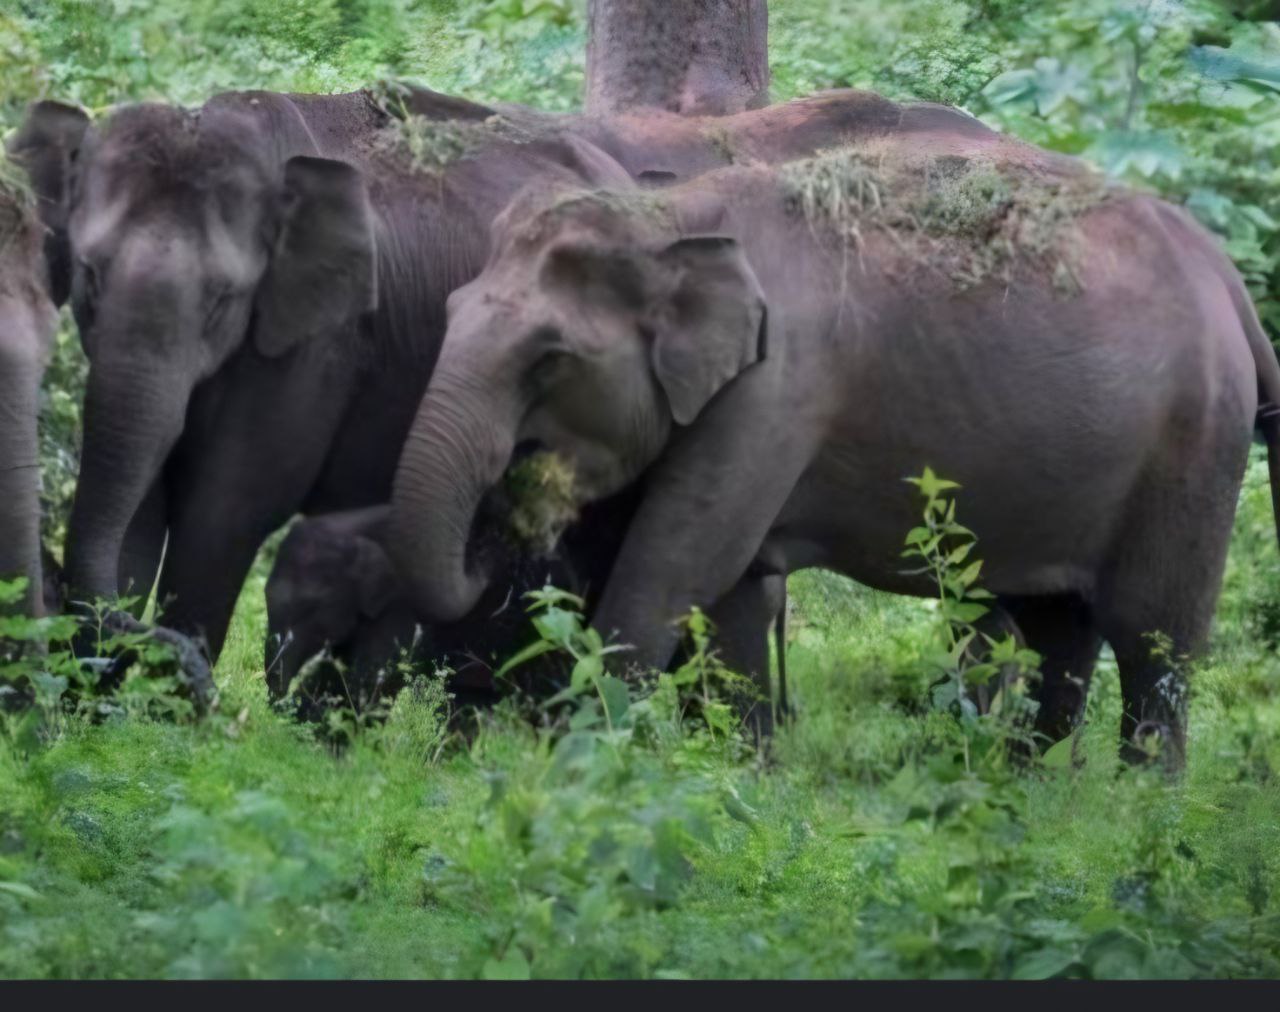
[[27, 323], [260, 288], [769, 352]]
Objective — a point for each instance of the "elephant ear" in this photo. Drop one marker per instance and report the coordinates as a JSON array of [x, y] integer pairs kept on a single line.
[[323, 269], [712, 325], [376, 583], [46, 147]]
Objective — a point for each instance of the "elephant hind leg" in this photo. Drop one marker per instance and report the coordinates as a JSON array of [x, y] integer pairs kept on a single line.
[[1155, 600], [1061, 629]]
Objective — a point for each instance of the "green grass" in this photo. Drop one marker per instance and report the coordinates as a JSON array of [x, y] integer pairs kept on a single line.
[[242, 847]]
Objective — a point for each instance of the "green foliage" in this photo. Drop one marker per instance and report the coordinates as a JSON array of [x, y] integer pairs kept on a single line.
[[969, 658], [630, 829]]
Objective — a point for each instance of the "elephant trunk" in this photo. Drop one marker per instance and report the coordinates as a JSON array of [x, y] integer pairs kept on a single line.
[[133, 416], [20, 475], [458, 449]]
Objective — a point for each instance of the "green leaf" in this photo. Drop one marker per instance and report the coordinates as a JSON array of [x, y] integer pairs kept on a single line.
[[617, 700], [970, 572], [1011, 86], [557, 625], [512, 966], [535, 649], [1149, 153], [586, 671], [20, 889], [962, 611], [1058, 755], [1242, 62], [930, 484]]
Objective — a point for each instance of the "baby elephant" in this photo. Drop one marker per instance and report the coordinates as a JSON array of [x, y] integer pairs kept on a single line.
[[337, 617]]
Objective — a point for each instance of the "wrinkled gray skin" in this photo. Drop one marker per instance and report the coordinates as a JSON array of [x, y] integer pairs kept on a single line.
[[770, 394], [27, 324], [262, 300]]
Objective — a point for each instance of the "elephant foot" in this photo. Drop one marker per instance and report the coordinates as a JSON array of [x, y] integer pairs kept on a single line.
[[1156, 744], [194, 671]]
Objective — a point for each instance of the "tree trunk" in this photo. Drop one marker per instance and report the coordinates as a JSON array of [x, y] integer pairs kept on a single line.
[[695, 57]]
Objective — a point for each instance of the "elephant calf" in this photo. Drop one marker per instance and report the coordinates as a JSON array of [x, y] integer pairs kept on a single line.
[[766, 353], [333, 588]]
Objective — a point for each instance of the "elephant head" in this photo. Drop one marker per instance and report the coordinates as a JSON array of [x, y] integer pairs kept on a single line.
[[27, 323], [185, 235], [598, 327], [331, 579]]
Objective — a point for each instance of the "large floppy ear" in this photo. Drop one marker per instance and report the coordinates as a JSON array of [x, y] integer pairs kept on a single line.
[[46, 146], [323, 270], [712, 324]]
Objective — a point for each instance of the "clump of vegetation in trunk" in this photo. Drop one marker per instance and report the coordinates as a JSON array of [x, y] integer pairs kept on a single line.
[[969, 219], [540, 490]]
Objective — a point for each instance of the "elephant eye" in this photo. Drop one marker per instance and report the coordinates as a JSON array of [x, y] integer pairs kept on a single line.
[[550, 367]]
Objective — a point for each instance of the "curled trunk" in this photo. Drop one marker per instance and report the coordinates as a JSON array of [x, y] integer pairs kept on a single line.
[[460, 444]]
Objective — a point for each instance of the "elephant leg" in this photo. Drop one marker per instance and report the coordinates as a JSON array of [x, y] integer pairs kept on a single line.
[[144, 548], [1155, 599], [707, 510], [1061, 630], [256, 446], [742, 619], [208, 558]]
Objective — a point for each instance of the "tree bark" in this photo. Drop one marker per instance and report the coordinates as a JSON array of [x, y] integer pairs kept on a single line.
[[695, 57]]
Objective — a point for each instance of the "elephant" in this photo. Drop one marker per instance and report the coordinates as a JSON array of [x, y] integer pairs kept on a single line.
[[333, 586], [337, 611], [767, 352], [27, 324], [260, 288]]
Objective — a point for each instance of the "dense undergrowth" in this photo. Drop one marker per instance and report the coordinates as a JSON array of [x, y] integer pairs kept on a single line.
[[638, 832]]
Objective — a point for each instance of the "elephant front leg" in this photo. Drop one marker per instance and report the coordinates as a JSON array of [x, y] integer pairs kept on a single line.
[[742, 619], [144, 547], [205, 568], [708, 506]]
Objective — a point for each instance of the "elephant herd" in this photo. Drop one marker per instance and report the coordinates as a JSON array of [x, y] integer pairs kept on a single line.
[[713, 346]]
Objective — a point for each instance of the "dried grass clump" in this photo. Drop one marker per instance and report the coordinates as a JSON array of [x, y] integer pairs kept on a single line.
[[540, 490], [969, 219], [432, 145]]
